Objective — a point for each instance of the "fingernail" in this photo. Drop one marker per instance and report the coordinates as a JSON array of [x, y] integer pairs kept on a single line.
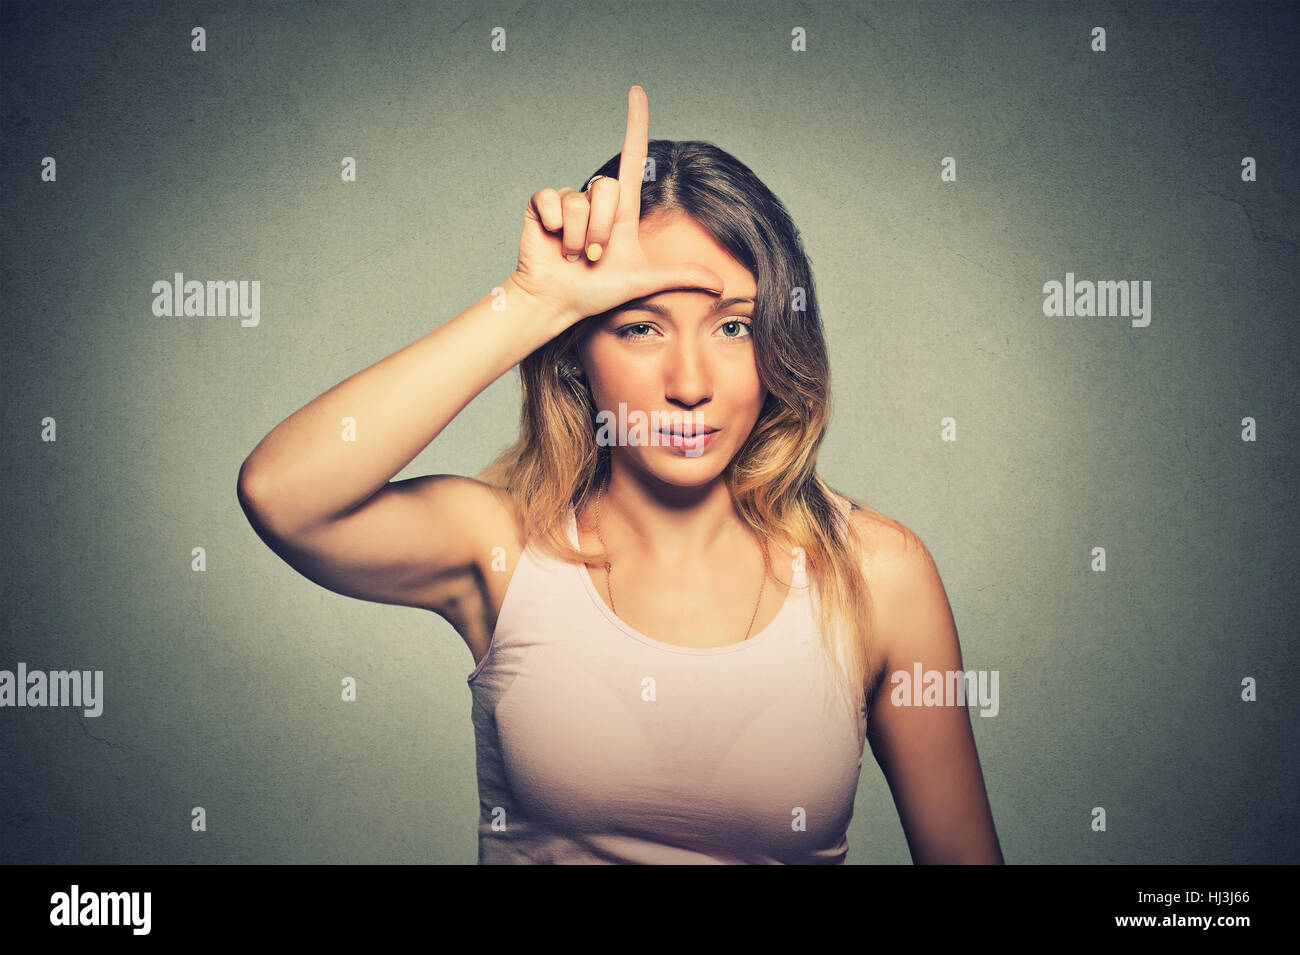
[[571, 256], [594, 250]]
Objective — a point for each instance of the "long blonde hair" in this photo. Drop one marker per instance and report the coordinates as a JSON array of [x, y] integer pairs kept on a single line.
[[556, 463]]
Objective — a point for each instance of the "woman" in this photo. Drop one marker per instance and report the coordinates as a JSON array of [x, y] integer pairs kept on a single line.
[[677, 657]]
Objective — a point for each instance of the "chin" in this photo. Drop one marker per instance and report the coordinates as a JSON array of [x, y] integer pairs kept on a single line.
[[683, 471]]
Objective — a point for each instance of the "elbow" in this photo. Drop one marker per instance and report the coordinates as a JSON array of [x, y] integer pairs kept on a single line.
[[274, 515], [248, 486], [251, 492]]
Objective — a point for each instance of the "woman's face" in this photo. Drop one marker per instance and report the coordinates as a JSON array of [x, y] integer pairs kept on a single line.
[[688, 352]]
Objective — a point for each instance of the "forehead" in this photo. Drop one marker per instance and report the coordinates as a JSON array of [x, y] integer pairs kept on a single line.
[[675, 239]]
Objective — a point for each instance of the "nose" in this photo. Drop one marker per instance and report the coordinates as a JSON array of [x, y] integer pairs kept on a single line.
[[688, 379]]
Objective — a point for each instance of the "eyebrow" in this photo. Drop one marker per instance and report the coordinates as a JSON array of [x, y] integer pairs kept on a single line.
[[660, 310]]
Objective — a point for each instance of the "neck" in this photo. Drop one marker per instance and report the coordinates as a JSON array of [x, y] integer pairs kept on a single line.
[[666, 524]]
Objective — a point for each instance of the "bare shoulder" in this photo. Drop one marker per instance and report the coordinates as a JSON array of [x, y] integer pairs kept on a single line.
[[887, 544], [487, 515], [475, 499], [907, 596]]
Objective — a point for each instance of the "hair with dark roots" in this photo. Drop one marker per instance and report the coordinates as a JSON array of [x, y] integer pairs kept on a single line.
[[557, 464]]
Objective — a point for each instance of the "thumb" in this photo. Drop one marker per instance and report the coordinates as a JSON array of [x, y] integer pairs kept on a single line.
[[678, 276]]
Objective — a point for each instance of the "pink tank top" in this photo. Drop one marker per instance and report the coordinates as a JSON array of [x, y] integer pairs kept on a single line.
[[598, 744]]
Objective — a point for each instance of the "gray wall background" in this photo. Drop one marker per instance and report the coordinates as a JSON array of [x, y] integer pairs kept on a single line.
[[1118, 689]]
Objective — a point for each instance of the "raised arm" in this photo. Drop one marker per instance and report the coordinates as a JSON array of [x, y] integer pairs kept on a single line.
[[328, 506]]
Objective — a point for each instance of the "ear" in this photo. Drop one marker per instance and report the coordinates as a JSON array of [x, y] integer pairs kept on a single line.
[[571, 367]]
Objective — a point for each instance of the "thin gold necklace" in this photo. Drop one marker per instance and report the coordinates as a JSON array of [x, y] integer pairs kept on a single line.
[[610, 590]]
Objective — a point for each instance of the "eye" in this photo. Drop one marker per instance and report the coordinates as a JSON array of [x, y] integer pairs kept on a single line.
[[625, 332], [628, 334]]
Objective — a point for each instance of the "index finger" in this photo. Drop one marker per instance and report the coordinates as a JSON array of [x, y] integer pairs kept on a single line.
[[631, 163]]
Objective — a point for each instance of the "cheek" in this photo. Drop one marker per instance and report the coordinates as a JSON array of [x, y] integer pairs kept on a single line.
[[623, 374], [612, 385], [742, 380]]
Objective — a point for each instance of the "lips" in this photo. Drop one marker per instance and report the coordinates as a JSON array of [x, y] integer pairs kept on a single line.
[[688, 432], [693, 444]]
